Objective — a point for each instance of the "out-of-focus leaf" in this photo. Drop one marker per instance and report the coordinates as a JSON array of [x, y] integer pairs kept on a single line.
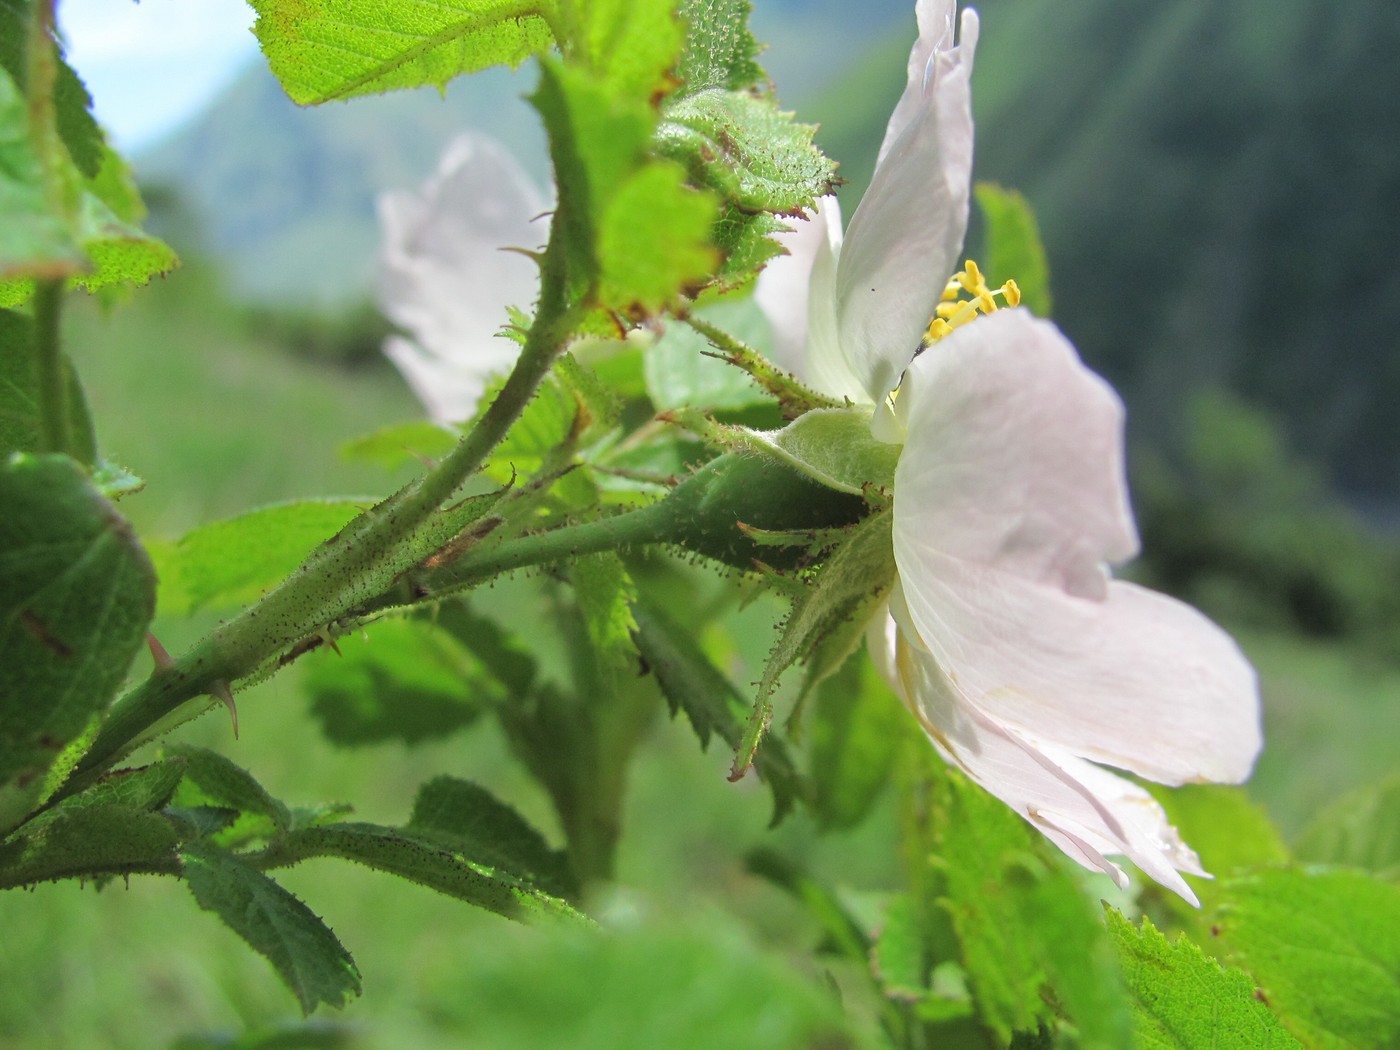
[[330, 49], [404, 441], [628, 45], [76, 595], [309, 1036], [1022, 924], [1013, 247], [1361, 829], [20, 426], [87, 842], [402, 680], [275, 923], [704, 986], [854, 725], [427, 860], [682, 371], [692, 683], [719, 50], [480, 825], [1324, 947], [1185, 1001], [1226, 828], [35, 240], [225, 784], [233, 561], [844, 934]]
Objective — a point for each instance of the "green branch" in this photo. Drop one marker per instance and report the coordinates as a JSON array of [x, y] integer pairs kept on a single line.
[[55, 434]]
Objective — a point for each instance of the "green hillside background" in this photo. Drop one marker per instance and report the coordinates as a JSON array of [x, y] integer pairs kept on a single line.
[[1217, 185]]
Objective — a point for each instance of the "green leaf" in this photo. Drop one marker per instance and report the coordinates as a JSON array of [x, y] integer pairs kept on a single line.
[[233, 561], [1324, 947], [428, 861], [637, 234], [405, 680], [331, 49], [275, 923], [76, 595], [472, 820], [630, 46], [854, 725], [1023, 926], [1361, 829], [145, 788], [719, 49], [1185, 1001], [20, 427], [605, 593], [225, 784], [746, 149], [1013, 247], [88, 842], [546, 423], [844, 934], [692, 683]]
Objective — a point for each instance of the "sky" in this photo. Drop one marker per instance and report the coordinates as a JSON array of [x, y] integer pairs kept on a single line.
[[151, 65]]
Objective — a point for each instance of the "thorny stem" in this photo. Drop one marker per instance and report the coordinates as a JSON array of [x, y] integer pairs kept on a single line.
[[329, 584]]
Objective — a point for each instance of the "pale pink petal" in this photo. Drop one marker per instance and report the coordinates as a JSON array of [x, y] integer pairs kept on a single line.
[[904, 239], [782, 291], [1087, 812], [1009, 501], [1135, 680], [444, 280], [1014, 455]]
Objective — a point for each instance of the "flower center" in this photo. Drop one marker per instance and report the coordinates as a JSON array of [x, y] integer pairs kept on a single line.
[[955, 310]]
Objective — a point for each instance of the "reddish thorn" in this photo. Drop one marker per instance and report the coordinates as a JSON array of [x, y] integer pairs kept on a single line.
[[221, 691], [158, 654]]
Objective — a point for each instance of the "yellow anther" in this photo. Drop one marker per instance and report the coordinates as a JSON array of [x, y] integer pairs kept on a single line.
[[954, 311]]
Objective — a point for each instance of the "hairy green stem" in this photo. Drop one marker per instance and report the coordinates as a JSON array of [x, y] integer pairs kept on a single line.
[[55, 433], [332, 583]]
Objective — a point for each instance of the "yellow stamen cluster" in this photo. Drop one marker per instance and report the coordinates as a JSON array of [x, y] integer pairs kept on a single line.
[[954, 312]]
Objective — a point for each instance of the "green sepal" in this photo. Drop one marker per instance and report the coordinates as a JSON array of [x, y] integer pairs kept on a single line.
[[77, 593], [275, 923], [828, 620], [832, 446], [709, 511]]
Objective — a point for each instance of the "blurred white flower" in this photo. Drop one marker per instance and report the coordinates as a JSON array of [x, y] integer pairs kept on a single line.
[[444, 280], [1024, 661]]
